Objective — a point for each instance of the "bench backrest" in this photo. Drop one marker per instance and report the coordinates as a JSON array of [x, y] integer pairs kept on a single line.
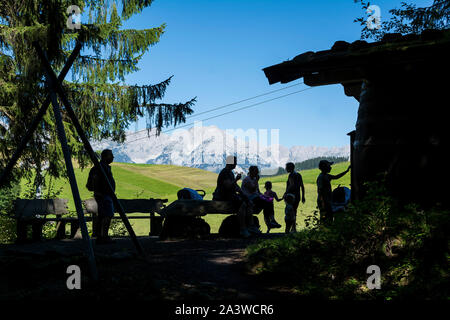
[[197, 208], [30, 208], [129, 205]]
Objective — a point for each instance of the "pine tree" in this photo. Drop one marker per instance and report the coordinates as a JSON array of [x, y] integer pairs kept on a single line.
[[103, 102], [409, 19]]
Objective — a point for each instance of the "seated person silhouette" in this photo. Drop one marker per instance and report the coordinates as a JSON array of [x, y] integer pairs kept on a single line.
[[228, 190], [250, 187]]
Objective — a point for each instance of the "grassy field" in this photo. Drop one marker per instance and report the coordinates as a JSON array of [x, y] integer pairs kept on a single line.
[[163, 181]]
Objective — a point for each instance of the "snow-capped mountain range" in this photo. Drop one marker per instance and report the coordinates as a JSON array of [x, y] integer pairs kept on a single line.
[[207, 148]]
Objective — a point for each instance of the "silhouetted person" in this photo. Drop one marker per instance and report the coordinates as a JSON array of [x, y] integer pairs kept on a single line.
[[250, 187], [294, 185], [324, 197], [290, 214], [228, 190], [270, 194], [103, 197]]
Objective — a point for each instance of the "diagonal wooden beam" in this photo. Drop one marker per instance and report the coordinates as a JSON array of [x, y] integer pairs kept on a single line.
[[32, 128], [56, 86], [72, 180]]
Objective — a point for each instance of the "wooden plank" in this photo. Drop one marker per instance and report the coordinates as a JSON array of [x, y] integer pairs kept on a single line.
[[197, 208], [140, 205], [29, 208], [75, 229], [134, 217], [129, 205], [67, 219], [72, 219]]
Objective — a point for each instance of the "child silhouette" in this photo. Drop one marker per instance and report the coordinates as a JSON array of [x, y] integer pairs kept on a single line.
[[290, 213]]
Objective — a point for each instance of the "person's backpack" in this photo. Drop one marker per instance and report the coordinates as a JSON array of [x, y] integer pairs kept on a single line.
[[90, 180]]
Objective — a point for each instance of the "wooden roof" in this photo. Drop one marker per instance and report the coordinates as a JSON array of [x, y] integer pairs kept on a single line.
[[350, 63]]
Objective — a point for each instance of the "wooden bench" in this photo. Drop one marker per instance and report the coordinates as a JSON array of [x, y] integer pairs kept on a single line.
[[35, 213], [147, 206], [197, 208], [181, 215], [182, 218]]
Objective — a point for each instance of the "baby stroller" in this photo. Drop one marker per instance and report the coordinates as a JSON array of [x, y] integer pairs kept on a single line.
[[186, 226], [190, 194], [340, 198]]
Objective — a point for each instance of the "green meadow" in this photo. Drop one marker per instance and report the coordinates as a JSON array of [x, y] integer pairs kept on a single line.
[[163, 181]]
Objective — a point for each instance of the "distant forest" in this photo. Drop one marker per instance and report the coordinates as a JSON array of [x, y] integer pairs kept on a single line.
[[311, 164]]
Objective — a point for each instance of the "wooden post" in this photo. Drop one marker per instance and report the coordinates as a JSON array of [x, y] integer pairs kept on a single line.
[[72, 180], [60, 228], [155, 225], [21, 231], [58, 88], [36, 228], [353, 186]]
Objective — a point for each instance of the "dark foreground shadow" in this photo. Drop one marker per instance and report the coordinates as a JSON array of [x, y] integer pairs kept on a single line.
[[207, 269]]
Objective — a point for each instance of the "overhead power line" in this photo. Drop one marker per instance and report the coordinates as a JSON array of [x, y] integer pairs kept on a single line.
[[231, 104], [225, 113], [237, 102]]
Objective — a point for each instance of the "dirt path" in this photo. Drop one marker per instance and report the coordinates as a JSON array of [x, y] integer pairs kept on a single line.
[[211, 269]]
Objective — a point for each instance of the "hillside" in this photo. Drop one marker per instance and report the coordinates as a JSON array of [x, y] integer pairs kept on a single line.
[[163, 181], [310, 176], [309, 164]]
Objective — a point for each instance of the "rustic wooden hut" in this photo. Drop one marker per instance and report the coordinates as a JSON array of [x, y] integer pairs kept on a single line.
[[402, 129]]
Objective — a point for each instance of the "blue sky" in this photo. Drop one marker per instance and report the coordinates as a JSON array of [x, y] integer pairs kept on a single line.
[[216, 51]]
